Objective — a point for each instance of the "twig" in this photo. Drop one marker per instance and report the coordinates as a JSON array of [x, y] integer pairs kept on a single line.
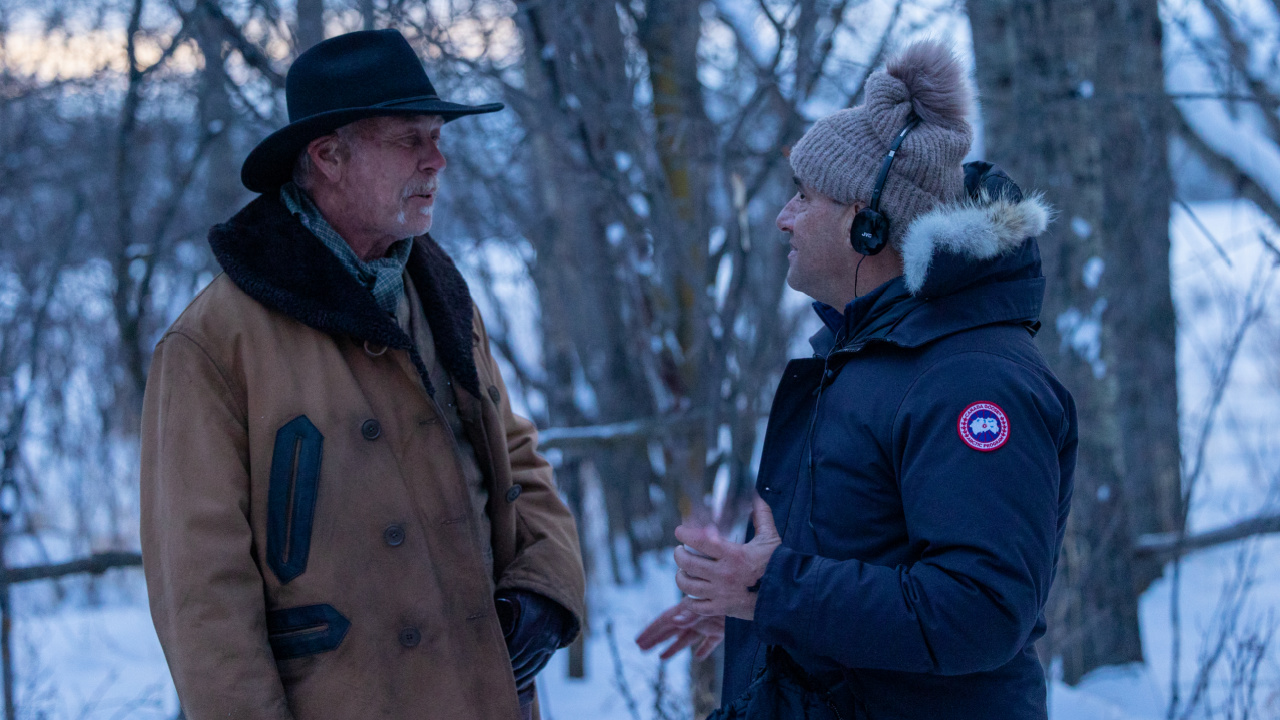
[[1255, 306], [619, 674], [1212, 240], [1275, 251], [659, 692], [1227, 618], [1229, 97]]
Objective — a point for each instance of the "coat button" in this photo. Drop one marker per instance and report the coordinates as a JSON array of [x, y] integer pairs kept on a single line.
[[371, 429], [514, 493], [410, 637], [494, 395], [393, 535]]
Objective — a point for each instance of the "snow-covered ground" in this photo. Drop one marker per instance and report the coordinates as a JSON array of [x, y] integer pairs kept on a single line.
[[103, 661]]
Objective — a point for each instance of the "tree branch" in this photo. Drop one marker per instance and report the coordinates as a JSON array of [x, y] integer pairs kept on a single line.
[[614, 432], [1249, 188], [253, 56], [95, 564], [1238, 53], [1168, 546]]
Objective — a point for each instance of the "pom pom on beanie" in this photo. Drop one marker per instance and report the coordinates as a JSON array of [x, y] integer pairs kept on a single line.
[[840, 155], [935, 83]]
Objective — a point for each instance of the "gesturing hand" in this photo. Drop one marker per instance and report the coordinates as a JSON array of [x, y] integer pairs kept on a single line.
[[687, 627], [718, 583]]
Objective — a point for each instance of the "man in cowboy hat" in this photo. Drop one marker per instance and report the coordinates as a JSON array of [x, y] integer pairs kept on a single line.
[[341, 515]]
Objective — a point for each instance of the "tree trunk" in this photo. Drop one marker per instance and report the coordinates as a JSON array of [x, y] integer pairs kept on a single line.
[[684, 134], [1066, 110], [575, 68], [310, 29]]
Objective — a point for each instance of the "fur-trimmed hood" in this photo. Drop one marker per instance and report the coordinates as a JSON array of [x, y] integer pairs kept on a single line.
[[270, 256], [967, 233], [966, 264]]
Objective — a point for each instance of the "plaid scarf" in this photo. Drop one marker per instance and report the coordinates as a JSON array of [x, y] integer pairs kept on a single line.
[[383, 277]]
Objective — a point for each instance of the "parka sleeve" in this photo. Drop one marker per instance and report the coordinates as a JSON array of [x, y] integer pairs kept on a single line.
[[204, 586], [987, 523], [548, 558]]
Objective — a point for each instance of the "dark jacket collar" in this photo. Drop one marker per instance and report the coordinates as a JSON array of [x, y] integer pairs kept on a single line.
[[269, 255]]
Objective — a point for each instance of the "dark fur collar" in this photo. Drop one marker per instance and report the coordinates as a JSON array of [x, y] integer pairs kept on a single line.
[[269, 255]]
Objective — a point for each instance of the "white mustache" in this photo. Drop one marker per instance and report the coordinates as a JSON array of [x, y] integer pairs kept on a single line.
[[422, 188]]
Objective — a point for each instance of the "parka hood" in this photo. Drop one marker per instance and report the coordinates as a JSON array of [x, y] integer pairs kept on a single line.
[[962, 244], [965, 265]]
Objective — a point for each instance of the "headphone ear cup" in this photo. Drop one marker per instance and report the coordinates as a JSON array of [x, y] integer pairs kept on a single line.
[[869, 232]]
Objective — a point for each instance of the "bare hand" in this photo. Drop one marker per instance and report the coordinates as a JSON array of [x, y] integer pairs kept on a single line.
[[687, 627], [717, 583]]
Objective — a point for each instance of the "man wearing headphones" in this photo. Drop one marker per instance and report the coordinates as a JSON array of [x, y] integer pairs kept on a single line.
[[916, 472]]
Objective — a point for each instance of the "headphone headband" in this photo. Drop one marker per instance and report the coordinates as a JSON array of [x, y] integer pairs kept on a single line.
[[888, 162], [869, 232]]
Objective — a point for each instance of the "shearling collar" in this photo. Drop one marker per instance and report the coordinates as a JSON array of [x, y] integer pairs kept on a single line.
[[270, 256]]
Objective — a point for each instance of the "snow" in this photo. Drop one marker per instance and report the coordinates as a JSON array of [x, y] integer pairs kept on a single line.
[[628, 609], [1092, 272], [92, 653], [1082, 334], [94, 662]]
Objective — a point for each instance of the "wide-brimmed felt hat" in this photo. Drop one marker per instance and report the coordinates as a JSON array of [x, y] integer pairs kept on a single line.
[[341, 80]]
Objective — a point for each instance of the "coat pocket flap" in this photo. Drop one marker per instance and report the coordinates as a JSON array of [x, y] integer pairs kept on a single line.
[[307, 630], [291, 497]]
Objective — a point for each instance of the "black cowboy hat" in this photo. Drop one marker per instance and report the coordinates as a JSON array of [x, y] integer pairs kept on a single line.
[[341, 80]]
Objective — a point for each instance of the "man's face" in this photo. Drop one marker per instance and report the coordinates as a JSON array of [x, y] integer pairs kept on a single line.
[[821, 260], [391, 175]]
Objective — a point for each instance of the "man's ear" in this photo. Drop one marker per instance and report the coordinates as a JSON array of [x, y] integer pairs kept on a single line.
[[850, 211], [328, 156]]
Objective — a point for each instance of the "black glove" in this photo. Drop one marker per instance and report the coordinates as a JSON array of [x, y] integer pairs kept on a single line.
[[534, 627], [980, 177]]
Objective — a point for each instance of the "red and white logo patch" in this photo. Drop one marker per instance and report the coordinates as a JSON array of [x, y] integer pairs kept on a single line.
[[983, 426]]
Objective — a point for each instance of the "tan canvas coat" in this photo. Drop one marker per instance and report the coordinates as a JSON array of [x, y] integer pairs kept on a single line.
[[309, 545]]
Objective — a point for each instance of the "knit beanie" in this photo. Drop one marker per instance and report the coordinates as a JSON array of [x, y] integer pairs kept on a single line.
[[840, 156]]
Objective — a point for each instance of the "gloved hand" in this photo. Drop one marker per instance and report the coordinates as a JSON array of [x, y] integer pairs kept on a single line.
[[534, 627]]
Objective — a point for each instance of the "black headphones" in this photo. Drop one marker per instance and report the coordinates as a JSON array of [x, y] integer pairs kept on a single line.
[[869, 232]]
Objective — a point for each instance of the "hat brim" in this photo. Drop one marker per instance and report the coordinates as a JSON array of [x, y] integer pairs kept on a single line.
[[270, 164]]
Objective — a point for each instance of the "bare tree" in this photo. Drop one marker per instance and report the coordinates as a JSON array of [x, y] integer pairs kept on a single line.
[[1060, 112]]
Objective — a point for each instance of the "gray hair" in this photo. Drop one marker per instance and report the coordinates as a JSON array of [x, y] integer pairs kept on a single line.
[[304, 168]]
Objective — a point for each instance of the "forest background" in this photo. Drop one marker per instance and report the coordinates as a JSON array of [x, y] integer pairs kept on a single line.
[[617, 227]]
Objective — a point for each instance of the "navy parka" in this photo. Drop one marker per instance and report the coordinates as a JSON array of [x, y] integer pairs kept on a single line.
[[916, 557]]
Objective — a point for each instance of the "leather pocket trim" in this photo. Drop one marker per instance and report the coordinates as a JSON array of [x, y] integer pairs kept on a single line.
[[307, 630], [291, 497]]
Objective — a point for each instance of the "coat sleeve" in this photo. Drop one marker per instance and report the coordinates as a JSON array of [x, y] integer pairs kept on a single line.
[[204, 586], [548, 558], [986, 525]]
